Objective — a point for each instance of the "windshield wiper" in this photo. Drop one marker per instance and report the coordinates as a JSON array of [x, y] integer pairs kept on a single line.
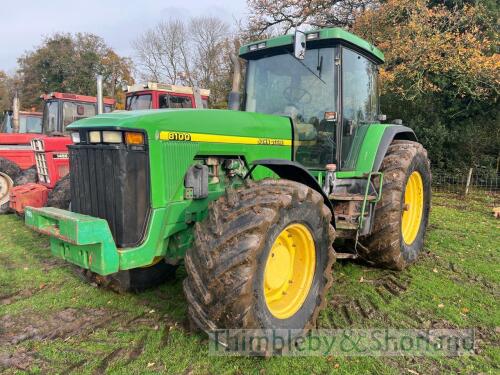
[[301, 62]]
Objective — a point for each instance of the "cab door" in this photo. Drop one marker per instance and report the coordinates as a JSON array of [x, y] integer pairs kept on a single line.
[[359, 103]]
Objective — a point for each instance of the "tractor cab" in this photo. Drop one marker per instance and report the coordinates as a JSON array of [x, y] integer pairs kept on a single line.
[[61, 109], [155, 95], [29, 122], [326, 82]]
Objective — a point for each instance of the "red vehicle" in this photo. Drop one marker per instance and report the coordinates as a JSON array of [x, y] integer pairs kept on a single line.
[[52, 155], [155, 95], [18, 157]]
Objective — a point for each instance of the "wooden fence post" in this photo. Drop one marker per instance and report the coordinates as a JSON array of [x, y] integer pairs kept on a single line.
[[468, 182]]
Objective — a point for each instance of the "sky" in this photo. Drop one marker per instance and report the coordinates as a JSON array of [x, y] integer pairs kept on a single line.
[[119, 22]]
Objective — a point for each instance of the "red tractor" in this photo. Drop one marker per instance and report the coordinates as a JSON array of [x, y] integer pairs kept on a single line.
[[47, 149], [52, 155]]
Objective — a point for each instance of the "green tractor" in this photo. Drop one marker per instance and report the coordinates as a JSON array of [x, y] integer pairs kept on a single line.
[[253, 202]]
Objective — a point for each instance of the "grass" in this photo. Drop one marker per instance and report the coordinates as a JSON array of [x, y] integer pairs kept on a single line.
[[53, 322]]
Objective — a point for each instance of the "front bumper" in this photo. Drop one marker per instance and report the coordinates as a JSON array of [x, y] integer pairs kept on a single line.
[[88, 242], [80, 239]]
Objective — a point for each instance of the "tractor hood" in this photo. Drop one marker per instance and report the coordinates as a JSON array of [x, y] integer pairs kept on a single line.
[[194, 121], [18, 138]]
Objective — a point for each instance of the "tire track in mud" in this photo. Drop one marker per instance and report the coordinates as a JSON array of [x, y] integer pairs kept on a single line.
[[353, 310], [77, 326]]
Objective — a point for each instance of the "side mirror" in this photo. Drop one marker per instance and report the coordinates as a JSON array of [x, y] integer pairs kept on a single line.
[[299, 50]]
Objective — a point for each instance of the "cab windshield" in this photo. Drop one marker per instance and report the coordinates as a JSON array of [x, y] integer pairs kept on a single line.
[[58, 114], [304, 90], [27, 123]]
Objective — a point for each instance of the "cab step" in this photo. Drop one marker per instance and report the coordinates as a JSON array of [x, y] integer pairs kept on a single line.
[[346, 225], [346, 256], [351, 197]]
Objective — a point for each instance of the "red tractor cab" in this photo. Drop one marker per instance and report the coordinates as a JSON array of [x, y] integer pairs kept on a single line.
[[19, 153], [16, 146], [30, 122], [155, 95]]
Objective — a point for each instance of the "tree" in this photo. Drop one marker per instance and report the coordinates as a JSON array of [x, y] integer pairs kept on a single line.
[[441, 76], [162, 51], [194, 53], [211, 47], [280, 16], [4, 93], [70, 63], [8, 86], [116, 71]]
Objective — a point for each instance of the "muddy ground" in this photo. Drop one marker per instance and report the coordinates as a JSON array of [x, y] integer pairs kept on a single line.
[[51, 321]]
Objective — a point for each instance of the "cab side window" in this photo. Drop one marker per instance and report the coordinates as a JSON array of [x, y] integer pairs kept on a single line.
[[180, 102], [164, 102]]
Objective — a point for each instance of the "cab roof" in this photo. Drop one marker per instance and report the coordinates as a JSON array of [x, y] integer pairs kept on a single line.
[[257, 49], [165, 87], [76, 97]]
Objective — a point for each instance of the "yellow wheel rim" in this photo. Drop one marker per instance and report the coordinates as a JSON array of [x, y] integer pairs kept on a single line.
[[289, 271], [413, 208]]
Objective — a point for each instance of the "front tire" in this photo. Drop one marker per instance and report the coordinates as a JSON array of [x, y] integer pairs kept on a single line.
[[402, 215], [232, 281]]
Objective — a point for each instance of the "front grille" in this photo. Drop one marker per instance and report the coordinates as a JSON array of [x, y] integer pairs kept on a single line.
[[41, 167], [112, 182]]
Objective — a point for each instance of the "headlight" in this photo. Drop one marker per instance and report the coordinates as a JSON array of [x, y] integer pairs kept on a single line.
[[112, 137], [75, 137], [95, 137], [312, 36]]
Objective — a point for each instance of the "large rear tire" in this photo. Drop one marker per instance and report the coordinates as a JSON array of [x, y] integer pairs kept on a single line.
[[8, 173], [402, 214], [26, 176], [261, 260]]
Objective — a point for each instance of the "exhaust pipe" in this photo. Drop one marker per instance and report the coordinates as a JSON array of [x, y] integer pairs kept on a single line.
[[15, 114], [233, 102], [100, 99]]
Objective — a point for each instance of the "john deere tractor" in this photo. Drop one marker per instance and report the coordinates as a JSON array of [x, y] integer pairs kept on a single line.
[[251, 200]]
